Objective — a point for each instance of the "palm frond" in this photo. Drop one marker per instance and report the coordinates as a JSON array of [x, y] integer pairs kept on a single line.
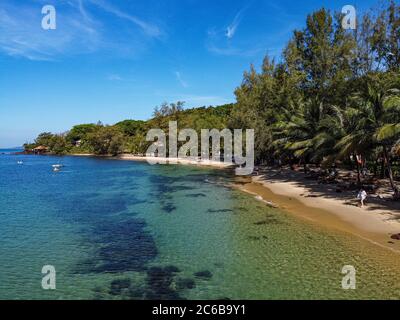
[[388, 131]]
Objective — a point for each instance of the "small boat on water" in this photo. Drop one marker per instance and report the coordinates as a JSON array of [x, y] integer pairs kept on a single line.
[[57, 167], [20, 162]]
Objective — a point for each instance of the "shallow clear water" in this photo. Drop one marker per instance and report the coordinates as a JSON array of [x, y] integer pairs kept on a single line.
[[128, 230]]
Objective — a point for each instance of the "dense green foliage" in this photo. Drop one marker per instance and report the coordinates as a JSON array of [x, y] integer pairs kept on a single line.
[[334, 95], [130, 135], [79, 132]]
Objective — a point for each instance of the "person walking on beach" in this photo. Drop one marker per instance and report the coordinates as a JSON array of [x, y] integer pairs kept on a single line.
[[362, 195]]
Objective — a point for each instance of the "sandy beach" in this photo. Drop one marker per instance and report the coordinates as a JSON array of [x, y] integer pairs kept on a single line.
[[323, 206], [209, 163], [160, 160]]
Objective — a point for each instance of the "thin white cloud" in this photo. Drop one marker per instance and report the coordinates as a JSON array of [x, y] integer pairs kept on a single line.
[[220, 41], [83, 11], [180, 80], [78, 31], [223, 43], [148, 28], [21, 33], [231, 29]]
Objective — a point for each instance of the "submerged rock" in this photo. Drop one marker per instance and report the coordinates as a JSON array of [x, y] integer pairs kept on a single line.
[[172, 269], [136, 293], [205, 274], [185, 283], [119, 285], [196, 195], [219, 210], [260, 223], [169, 208], [159, 284]]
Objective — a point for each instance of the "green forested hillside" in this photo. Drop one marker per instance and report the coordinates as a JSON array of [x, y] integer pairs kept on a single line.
[[130, 135]]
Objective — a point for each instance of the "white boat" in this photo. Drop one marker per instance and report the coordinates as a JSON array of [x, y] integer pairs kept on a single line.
[[58, 166], [20, 162], [56, 169]]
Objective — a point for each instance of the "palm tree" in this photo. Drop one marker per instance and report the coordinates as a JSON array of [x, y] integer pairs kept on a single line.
[[374, 122], [388, 133], [294, 133], [311, 132]]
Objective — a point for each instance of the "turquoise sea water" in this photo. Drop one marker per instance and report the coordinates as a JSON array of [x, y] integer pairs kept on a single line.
[[127, 230]]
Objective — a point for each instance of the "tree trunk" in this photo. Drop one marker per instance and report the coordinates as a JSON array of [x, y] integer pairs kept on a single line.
[[305, 164], [376, 168], [383, 169], [389, 168], [358, 171]]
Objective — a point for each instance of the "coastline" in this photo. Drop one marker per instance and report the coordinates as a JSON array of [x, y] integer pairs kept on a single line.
[[293, 194], [182, 161]]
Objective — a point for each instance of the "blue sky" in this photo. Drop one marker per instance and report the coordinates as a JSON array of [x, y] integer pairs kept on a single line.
[[114, 60]]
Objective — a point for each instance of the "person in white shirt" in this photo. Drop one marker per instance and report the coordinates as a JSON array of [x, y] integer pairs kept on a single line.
[[362, 195]]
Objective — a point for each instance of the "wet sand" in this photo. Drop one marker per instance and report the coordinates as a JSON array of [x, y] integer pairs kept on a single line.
[[326, 212]]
